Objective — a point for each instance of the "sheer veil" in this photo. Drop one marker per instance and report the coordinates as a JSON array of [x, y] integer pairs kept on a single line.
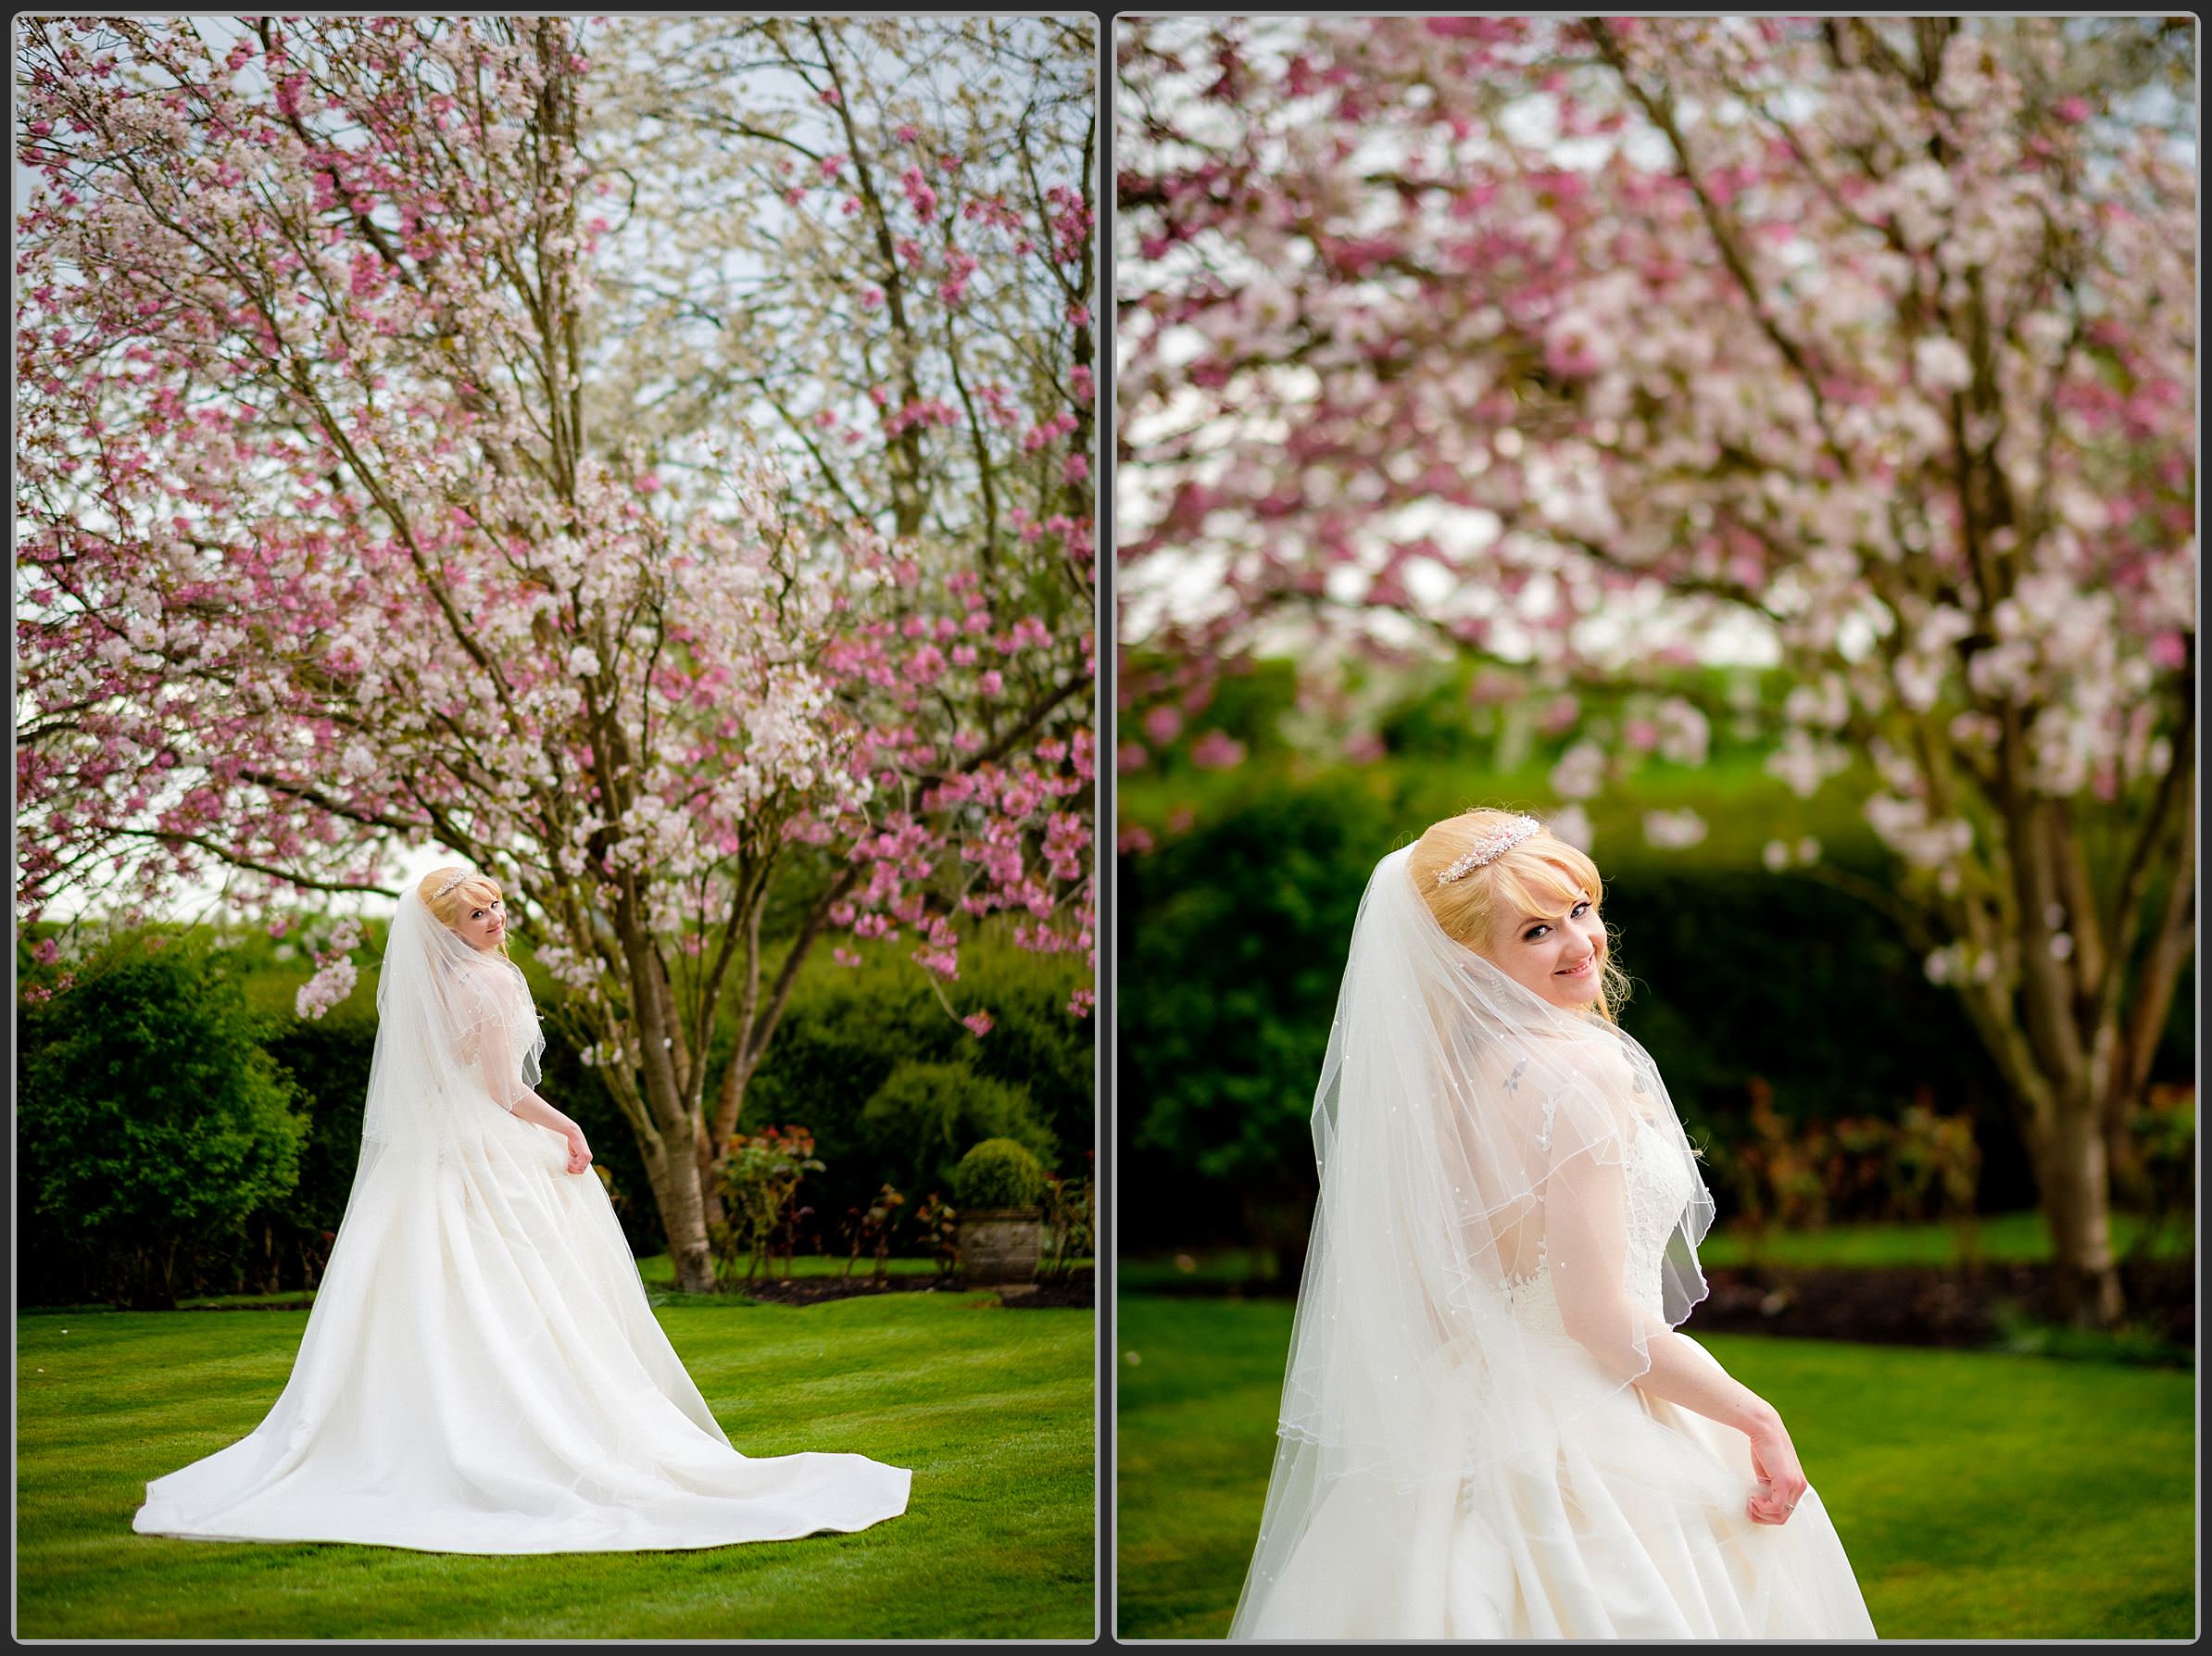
[[1470, 1287], [454, 1024]]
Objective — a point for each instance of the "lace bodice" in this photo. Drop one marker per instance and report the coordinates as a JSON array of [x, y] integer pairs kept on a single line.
[[498, 1008], [1659, 1180]]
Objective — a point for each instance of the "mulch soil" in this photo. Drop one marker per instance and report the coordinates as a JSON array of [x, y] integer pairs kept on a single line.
[[1927, 1305], [1072, 1291]]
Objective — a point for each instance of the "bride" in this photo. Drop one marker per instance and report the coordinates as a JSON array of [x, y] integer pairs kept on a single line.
[[1489, 1428], [481, 1372]]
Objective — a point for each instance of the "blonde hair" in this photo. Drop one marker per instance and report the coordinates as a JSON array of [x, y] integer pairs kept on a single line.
[[1540, 874], [445, 905]]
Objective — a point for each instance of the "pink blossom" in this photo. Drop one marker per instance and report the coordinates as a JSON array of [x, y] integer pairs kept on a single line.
[[919, 194], [1216, 750], [435, 601]]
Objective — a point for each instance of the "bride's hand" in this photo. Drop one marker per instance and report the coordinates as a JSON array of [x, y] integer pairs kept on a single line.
[[1782, 1481], [579, 1153]]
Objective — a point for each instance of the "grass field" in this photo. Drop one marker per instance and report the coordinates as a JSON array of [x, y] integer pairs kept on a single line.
[[991, 1408], [658, 1270], [1978, 1495], [2002, 1239]]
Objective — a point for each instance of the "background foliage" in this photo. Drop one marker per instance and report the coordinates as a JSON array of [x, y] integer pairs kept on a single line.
[[1238, 888], [152, 1127], [221, 1131]]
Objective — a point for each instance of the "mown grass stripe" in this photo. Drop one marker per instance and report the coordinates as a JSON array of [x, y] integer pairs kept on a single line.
[[991, 1408]]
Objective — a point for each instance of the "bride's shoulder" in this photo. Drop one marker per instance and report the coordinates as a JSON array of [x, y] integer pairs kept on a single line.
[[1595, 1049], [487, 977], [1578, 1034]]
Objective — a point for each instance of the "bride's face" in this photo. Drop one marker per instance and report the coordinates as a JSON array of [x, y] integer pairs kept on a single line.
[[1556, 956], [482, 924]]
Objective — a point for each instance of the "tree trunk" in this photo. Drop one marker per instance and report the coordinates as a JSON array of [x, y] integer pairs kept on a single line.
[[708, 1149], [1280, 1228], [2074, 1179], [675, 1184]]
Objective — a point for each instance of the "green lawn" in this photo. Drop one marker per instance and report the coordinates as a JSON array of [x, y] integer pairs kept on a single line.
[[1978, 1495], [658, 1270], [2002, 1239], [991, 1408]]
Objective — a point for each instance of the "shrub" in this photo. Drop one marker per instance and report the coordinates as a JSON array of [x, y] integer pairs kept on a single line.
[[937, 1227], [1802, 1175], [759, 1174], [868, 1231], [328, 1062], [150, 1123], [919, 1119], [2154, 1173], [1070, 1222], [998, 1173], [848, 1030]]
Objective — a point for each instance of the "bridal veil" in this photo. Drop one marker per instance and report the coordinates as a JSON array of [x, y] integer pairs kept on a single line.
[[1467, 1291]]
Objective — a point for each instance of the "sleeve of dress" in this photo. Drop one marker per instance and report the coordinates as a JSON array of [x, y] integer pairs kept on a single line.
[[1586, 1219], [492, 1047]]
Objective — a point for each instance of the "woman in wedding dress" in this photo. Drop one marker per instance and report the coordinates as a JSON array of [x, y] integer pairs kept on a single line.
[[481, 1372], [1490, 1427]]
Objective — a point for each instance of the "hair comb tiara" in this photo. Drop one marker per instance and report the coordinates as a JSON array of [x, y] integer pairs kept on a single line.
[[456, 880], [1490, 848]]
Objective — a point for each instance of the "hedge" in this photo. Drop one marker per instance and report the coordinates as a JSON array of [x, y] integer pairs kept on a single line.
[[1232, 931]]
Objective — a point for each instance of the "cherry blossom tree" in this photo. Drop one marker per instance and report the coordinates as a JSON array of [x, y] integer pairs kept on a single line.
[[337, 536], [1572, 341], [878, 231]]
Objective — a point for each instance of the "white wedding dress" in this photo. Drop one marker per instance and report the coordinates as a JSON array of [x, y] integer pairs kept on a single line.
[[481, 1372], [1506, 1231], [1628, 1523]]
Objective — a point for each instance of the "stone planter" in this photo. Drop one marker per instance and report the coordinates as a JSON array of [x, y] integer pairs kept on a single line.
[[1000, 1245]]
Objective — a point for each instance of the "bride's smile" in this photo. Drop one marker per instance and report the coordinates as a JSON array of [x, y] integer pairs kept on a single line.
[[1557, 955]]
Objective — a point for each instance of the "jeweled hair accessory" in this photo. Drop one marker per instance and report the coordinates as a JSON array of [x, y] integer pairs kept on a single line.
[[1490, 848], [464, 874]]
